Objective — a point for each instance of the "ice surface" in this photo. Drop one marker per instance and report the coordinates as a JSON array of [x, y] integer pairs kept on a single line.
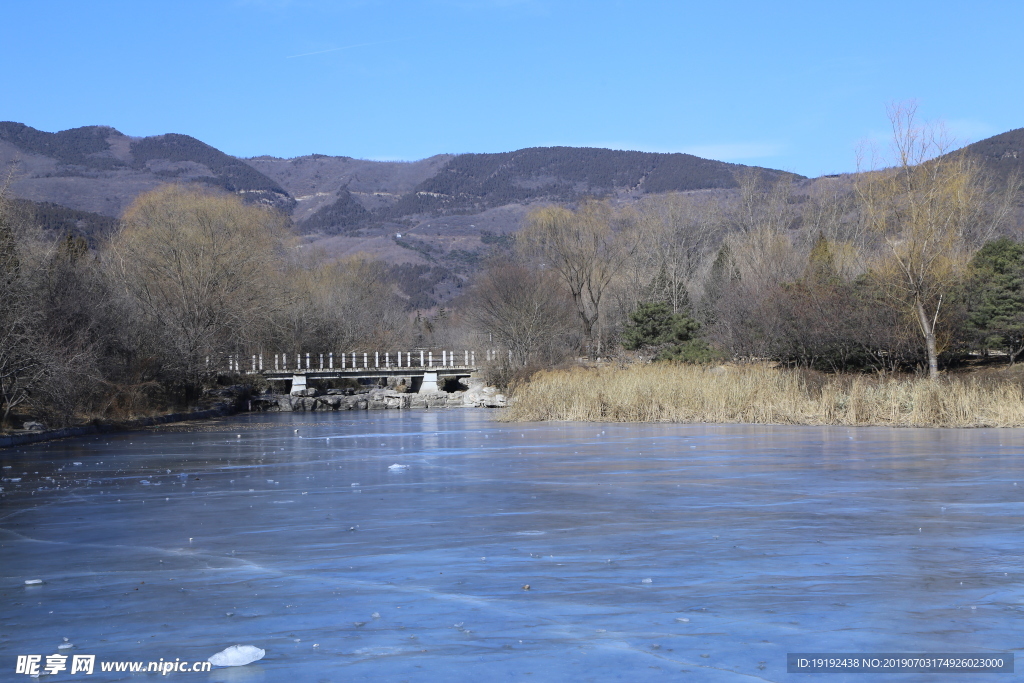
[[237, 655], [760, 540]]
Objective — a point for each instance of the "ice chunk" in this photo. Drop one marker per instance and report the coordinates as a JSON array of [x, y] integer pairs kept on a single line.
[[144, 482], [647, 581], [682, 620], [65, 646], [33, 582], [396, 467], [237, 655], [74, 463]]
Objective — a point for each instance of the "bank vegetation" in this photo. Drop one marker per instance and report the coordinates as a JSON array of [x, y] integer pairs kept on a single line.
[[762, 394]]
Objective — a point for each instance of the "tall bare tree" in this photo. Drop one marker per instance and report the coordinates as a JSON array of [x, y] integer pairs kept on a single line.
[[524, 309], [583, 247], [933, 210], [677, 233], [202, 269]]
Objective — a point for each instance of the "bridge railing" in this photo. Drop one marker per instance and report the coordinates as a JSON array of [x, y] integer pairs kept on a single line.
[[356, 360]]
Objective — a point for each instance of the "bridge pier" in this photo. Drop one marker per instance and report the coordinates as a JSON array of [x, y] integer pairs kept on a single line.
[[298, 384], [429, 382]]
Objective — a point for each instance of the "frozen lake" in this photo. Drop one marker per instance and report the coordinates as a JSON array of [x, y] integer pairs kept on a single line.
[[652, 552]]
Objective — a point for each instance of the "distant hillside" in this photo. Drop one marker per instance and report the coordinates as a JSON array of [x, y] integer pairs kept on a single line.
[[317, 180], [62, 220], [100, 170], [1002, 154], [87, 146], [561, 174], [470, 183]]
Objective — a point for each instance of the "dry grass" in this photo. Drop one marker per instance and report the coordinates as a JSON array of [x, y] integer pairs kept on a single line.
[[761, 394]]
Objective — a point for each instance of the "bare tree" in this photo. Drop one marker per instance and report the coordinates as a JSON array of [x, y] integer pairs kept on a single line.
[[931, 210], [584, 249], [677, 233], [203, 270], [22, 363], [340, 305], [524, 309]]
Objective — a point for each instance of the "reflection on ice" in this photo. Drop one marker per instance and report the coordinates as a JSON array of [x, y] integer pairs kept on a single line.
[[537, 552]]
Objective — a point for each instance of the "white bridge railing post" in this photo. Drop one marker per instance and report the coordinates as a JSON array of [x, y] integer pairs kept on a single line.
[[376, 359], [330, 360], [421, 360], [430, 358], [366, 361]]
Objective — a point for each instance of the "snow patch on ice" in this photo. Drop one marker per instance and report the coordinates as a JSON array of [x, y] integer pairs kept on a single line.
[[237, 655]]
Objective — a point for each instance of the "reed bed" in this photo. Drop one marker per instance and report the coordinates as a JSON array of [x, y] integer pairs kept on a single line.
[[764, 395]]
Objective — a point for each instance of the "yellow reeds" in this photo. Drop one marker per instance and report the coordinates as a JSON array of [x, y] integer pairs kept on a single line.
[[762, 394]]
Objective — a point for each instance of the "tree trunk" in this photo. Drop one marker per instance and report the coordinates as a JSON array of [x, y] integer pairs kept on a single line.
[[928, 330]]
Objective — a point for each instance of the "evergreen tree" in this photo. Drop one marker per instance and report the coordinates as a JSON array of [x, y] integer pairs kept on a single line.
[[821, 267], [996, 296], [724, 272], [653, 326]]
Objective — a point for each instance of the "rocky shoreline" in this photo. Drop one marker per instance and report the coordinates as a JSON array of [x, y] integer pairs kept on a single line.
[[476, 396]]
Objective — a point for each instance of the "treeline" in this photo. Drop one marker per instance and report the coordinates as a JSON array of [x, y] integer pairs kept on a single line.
[[904, 269], [147, 320]]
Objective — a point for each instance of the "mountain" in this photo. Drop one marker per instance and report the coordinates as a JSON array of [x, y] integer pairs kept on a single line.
[[1002, 155], [100, 170]]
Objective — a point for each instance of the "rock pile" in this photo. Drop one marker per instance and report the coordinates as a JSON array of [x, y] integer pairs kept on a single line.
[[477, 396]]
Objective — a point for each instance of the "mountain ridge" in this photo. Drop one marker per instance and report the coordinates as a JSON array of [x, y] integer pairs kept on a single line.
[[432, 219]]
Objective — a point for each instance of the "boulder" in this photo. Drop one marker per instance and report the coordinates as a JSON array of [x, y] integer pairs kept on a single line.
[[480, 395]]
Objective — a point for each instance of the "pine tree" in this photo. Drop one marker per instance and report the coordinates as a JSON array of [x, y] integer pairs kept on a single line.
[[996, 296]]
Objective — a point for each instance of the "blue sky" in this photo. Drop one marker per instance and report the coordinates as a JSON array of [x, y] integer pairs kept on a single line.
[[792, 85]]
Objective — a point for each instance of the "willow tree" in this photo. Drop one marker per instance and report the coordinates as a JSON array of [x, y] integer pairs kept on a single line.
[[585, 250], [201, 269], [932, 211]]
